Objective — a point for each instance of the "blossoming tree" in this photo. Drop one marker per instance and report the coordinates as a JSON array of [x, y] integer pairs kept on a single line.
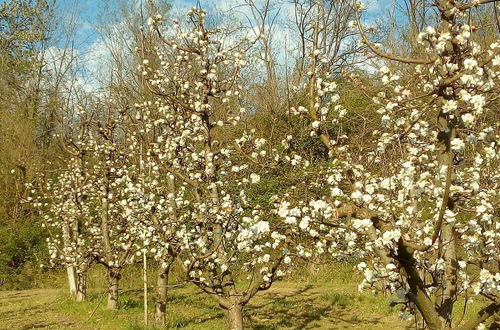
[[229, 245], [420, 203], [61, 200], [119, 204], [95, 209]]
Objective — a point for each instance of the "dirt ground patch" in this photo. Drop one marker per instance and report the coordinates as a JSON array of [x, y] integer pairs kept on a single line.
[[32, 309]]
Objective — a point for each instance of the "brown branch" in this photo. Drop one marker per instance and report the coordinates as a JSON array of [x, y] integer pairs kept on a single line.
[[472, 4], [181, 176], [262, 285], [449, 81], [482, 315], [253, 160], [417, 292], [385, 55]]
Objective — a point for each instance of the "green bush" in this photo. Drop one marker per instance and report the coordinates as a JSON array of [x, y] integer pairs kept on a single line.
[[21, 252]]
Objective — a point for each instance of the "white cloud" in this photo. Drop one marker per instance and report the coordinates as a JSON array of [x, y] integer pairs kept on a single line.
[[229, 13]]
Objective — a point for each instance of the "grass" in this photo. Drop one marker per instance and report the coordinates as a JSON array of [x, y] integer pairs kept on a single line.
[[326, 299]]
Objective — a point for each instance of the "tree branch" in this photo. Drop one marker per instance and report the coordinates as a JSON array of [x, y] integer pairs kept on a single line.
[[385, 55]]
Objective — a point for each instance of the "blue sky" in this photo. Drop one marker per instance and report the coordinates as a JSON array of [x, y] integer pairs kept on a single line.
[[89, 13], [86, 12]]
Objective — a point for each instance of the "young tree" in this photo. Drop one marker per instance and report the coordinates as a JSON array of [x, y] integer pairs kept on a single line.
[[118, 200], [421, 201], [96, 206], [63, 202], [228, 244]]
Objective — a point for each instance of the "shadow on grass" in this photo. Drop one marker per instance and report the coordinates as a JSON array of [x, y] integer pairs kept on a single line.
[[208, 310], [205, 311], [306, 309], [185, 322]]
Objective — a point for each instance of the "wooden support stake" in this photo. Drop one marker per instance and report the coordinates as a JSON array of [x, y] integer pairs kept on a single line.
[[145, 278]]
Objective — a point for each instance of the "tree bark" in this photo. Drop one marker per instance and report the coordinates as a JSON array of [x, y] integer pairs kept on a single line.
[[161, 298], [417, 292], [81, 286], [66, 229], [72, 280], [483, 315], [113, 290], [449, 293], [236, 317]]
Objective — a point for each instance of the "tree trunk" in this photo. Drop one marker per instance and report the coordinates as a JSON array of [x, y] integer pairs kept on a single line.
[[66, 229], [161, 298], [113, 290], [450, 276], [81, 286], [236, 317], [72, 280], [417, 293]]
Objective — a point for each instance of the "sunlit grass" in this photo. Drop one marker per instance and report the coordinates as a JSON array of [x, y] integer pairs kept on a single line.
[[325, 297]]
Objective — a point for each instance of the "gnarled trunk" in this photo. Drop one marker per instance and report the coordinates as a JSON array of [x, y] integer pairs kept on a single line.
[[235, 314], [81, 286], [113, 279], [161, 298]]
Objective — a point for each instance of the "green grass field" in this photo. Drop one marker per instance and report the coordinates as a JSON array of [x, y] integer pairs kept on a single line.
[[329, 299]]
